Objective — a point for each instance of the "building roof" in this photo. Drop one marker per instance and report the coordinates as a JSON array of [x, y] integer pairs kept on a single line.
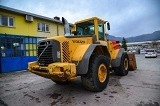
[[141, 43], [12, 10]]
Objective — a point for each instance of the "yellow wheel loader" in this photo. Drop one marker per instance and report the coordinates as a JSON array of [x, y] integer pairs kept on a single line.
[[86, 53]]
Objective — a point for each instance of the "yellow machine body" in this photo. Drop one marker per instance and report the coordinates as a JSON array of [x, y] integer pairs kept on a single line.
[[68, 56]]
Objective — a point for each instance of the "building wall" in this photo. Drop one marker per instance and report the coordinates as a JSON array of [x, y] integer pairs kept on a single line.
[[55, 29], [61, 30], [52, 29], [23, 27]]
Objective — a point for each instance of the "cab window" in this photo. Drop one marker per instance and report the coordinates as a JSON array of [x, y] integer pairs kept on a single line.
[[86, 28], [100, 30]]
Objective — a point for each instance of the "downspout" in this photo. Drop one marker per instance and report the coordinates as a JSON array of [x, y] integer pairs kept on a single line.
[[57, 30]]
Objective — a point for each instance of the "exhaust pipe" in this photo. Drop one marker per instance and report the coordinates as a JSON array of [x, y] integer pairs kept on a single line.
[[66, 27]]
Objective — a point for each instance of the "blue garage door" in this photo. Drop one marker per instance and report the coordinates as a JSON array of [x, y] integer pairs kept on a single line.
[[16, 51]]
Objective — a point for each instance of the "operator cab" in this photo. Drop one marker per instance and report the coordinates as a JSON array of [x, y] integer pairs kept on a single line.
[[90, 27]]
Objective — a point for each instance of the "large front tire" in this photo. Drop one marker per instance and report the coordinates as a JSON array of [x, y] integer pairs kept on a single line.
[[122, 70], [97, 76]]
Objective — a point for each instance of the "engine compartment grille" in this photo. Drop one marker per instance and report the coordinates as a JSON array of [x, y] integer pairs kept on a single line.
[[65, 51], [46, 57]]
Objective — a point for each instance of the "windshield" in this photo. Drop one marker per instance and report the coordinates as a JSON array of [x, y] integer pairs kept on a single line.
[[86, 28], [149, 50]]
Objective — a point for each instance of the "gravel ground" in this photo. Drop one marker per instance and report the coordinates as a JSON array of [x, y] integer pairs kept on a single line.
[[139, 88]]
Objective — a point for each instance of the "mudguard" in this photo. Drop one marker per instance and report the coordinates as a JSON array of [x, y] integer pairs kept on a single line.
[[82, 65], [116, 62]]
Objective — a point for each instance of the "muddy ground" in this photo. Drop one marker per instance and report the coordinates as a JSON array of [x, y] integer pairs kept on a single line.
[[139, 88]]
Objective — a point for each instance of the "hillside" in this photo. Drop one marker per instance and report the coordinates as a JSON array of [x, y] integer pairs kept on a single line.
[[145, 37]]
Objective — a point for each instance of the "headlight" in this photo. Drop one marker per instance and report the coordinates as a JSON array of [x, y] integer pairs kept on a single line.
[[58, 54]]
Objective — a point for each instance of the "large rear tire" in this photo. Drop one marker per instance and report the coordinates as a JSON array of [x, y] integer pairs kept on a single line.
[[97, 76], [122, 70]]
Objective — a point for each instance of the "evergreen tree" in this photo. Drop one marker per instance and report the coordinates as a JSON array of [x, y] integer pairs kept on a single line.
[[124, 45]]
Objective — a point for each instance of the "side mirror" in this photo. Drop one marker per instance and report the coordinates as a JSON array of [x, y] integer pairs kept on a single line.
[[108, 26]]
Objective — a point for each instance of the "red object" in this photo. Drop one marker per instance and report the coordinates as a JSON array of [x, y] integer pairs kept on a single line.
[[115, 44]]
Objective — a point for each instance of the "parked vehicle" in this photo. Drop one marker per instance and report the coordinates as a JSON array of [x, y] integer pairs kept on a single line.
[[150, 53], [134, 51], [158, 50], [142, 51]]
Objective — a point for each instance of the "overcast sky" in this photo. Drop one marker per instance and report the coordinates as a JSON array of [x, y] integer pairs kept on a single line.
[[127, 17]]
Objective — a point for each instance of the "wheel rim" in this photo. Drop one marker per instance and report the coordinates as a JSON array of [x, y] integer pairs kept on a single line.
[[102, 73], [126, 64]]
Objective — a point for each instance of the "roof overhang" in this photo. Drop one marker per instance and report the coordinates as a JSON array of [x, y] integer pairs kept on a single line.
[[20, 12]]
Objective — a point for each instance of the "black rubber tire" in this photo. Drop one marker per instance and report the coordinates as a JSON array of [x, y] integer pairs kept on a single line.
[[121, 69], [90, 80], [61, 82], [116, 70]]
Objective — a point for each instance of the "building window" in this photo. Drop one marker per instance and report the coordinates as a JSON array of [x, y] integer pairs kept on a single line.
[[43, 27], [47, 28], [6, 21]]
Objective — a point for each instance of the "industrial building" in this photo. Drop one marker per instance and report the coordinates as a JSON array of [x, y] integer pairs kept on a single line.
[[19, 33], [135, 46]]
